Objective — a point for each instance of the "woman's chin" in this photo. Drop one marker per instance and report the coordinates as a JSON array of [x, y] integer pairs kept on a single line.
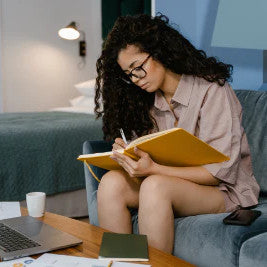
[[150, 89]]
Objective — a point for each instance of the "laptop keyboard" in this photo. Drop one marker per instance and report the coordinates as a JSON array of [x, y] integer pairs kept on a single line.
[[11, 240]]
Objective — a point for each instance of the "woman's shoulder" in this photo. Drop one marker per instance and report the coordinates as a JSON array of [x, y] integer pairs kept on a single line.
[[206, 85], [218, 94], [205, 88]]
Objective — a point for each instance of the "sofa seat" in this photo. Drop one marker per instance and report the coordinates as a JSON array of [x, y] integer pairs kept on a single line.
[[206, 237], [253, 252]]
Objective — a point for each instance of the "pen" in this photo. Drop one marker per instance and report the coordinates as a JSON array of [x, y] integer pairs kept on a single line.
[[123, 136], [110, 263]]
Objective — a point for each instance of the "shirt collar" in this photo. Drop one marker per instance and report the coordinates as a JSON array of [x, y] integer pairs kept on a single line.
[[182, 94], [160, 102]]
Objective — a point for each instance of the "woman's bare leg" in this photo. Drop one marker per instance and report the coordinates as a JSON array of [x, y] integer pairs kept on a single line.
[[116, 193], [162, 196]]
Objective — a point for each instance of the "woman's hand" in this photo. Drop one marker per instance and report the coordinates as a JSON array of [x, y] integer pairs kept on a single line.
[[119, 144], [142, 167]]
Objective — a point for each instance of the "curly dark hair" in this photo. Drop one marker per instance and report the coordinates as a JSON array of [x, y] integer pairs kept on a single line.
[[126, 105]]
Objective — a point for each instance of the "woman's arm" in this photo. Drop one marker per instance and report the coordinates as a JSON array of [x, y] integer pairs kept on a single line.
[[145, 166], [198, 174]]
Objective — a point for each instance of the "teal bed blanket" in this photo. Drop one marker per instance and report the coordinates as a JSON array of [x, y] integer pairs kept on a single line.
[[38, 152]]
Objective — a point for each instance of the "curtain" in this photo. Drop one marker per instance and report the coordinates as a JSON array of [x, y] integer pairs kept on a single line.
[[112, 9]]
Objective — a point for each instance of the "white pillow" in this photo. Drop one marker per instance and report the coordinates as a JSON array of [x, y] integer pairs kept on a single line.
[[86, 88], [83, 101]]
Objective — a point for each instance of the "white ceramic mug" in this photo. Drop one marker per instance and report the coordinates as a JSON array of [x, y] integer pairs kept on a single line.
[[36, 203]]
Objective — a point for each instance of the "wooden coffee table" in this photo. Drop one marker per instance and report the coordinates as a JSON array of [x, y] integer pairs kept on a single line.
[[92, 236]]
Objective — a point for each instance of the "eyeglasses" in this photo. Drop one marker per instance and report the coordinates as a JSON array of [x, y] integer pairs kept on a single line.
[[139, 72]]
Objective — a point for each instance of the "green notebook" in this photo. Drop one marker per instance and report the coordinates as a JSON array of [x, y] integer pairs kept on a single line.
[[124, 247]]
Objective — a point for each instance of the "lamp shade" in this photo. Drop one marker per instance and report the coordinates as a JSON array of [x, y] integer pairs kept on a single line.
[[70, 32]]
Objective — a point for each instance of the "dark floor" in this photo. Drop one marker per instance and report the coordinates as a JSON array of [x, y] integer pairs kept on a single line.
[[83, 219]]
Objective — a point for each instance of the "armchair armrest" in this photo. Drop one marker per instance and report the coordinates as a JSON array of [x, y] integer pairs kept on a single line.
[[90, 182]]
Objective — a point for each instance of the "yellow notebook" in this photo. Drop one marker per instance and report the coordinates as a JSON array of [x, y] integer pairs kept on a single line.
[[173, 147]]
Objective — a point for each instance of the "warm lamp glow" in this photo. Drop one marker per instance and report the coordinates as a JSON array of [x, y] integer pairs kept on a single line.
[[70, 32]]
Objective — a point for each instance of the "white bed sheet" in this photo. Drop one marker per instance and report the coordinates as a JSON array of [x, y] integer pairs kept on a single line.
[[74, 109]]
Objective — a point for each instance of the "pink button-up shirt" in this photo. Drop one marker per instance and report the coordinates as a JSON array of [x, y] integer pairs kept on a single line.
[[213, 114]]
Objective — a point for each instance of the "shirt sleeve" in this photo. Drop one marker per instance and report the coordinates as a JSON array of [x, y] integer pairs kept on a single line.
[[220, 127]]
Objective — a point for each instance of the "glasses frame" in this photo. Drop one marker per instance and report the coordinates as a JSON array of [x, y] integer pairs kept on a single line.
[[131, 74]]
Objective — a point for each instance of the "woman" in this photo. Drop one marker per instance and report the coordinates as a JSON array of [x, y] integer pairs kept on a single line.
[[150, 78]]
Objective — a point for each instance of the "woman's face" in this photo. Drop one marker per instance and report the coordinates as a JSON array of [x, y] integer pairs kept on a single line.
[[131, 57]]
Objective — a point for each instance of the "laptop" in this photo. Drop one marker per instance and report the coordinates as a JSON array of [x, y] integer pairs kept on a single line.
[[25, 235]]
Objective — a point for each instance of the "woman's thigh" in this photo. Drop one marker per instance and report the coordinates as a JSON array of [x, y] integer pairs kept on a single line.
[[187, 198], [117, 184]]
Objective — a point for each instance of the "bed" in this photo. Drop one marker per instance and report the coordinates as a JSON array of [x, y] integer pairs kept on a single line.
[[38, 152]]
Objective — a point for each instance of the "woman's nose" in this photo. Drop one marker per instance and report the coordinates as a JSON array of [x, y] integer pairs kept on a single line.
[[135, 79]]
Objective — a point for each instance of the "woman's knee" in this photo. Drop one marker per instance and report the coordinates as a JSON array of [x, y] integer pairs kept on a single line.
[[112, 184], [157, 188], [152, 189]]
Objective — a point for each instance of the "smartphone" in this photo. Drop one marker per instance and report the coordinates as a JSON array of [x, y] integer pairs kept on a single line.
[[242, 217]]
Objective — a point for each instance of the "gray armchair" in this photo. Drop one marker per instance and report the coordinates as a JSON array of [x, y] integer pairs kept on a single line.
[[203, 239]]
